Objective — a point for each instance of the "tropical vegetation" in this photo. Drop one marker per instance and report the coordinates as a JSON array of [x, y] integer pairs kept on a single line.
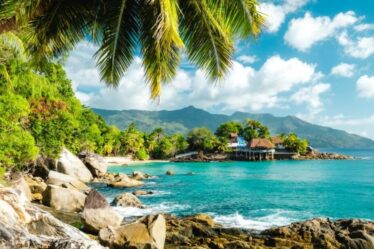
[[158, 30]]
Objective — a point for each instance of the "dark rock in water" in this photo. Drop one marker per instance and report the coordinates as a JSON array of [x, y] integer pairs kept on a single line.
[[143, 192], [170, 173], [95, 200]]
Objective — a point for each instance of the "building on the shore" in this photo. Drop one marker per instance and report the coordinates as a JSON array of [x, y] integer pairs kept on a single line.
[[236, 142], [278, 142], [261, 149]]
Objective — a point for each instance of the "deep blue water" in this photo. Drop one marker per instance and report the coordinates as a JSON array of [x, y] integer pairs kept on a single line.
[[259, 194]]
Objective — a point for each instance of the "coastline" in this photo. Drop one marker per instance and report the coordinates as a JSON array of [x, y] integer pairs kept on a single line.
[[126, 161], [196, 230]]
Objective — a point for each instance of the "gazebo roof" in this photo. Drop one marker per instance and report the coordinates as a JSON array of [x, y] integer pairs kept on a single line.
[[261, 143], [277, 140]]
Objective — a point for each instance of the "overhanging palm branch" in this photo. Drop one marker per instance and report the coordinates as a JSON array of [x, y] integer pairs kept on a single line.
[[159, 28]]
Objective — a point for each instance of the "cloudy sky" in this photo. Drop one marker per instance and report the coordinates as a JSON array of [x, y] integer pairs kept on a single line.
[[315, 60]]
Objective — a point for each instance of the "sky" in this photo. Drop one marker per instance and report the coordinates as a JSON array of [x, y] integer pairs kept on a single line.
[[314, 60]]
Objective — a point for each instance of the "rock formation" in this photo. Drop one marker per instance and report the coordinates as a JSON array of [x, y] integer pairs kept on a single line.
[[97, 213]]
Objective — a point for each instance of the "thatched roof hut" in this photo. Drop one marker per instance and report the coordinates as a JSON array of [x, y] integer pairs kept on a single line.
[[261, 143]]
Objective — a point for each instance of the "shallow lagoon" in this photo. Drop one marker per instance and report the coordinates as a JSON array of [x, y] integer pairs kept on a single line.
[[258, 195]]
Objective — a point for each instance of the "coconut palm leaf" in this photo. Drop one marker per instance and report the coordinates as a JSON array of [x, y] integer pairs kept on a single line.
[[242, 17], [160, 41], [209, 45], [120, 27], [159, 28]]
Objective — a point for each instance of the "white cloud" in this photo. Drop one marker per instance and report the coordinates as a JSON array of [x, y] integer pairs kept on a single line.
[[247, 59], [276, 14], [311, 97], [361, 47], [364, 27], [365, 86], [304, 32], [243, 89], [343, 69]]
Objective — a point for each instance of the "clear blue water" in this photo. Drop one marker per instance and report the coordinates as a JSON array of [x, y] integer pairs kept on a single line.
[[258, 195]]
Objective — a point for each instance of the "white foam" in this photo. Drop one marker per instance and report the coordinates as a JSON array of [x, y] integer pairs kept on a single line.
[[164, 207], [275, 218]]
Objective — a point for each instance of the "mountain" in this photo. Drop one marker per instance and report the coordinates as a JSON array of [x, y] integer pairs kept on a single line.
[[183, 120]]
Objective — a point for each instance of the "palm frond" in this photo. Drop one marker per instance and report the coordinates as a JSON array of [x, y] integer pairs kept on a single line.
[[60, 26], [209, 44], [242, 16], [160, 42], [120, 25]]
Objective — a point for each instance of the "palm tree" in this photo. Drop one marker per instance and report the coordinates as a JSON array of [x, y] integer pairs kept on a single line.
[[160, 30]]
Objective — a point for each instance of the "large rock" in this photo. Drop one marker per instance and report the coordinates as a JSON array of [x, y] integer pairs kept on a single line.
[[94, 165], [123, 181], [71, 165], [137, 175], [65, 199], [148, 232], [26, 226], [97, 213], [18, 182], [60, 179], [127, 200]]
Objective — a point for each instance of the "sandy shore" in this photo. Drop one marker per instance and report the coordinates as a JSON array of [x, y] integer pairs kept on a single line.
[[124, 161]]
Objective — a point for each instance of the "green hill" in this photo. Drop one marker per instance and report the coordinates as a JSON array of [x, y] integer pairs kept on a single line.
[[183, 120]]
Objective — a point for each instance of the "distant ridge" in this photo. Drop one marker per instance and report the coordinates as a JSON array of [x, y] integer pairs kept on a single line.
[[182, 120]]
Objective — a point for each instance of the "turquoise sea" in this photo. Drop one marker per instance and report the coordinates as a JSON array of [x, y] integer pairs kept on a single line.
[[258, 195]]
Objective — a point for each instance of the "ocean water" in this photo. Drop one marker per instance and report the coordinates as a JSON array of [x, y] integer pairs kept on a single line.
[[258, 195]]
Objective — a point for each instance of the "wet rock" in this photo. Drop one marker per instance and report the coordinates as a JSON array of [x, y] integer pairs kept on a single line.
[[60, 179], [137, 175], [97, 213], [148, 232], [170, 173], [71, 165], [142, 192], [37, 187], [65, 199], [123, 181], [127, 200]]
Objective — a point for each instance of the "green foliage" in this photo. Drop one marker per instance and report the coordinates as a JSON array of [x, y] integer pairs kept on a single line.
[[254, 129], [39, 113], [225, 129], [142, 154], [132, 141], [293, 143], [201, 139], [162, 28]]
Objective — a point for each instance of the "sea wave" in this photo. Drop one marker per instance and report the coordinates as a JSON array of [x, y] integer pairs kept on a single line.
[[274, 217], [165, 207]]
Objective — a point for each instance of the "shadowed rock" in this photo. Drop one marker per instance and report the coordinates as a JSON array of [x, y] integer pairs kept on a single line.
[[95, 200], [97, 213]]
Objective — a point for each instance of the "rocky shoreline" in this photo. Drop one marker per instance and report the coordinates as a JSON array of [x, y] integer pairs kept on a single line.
[[53, 207]]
